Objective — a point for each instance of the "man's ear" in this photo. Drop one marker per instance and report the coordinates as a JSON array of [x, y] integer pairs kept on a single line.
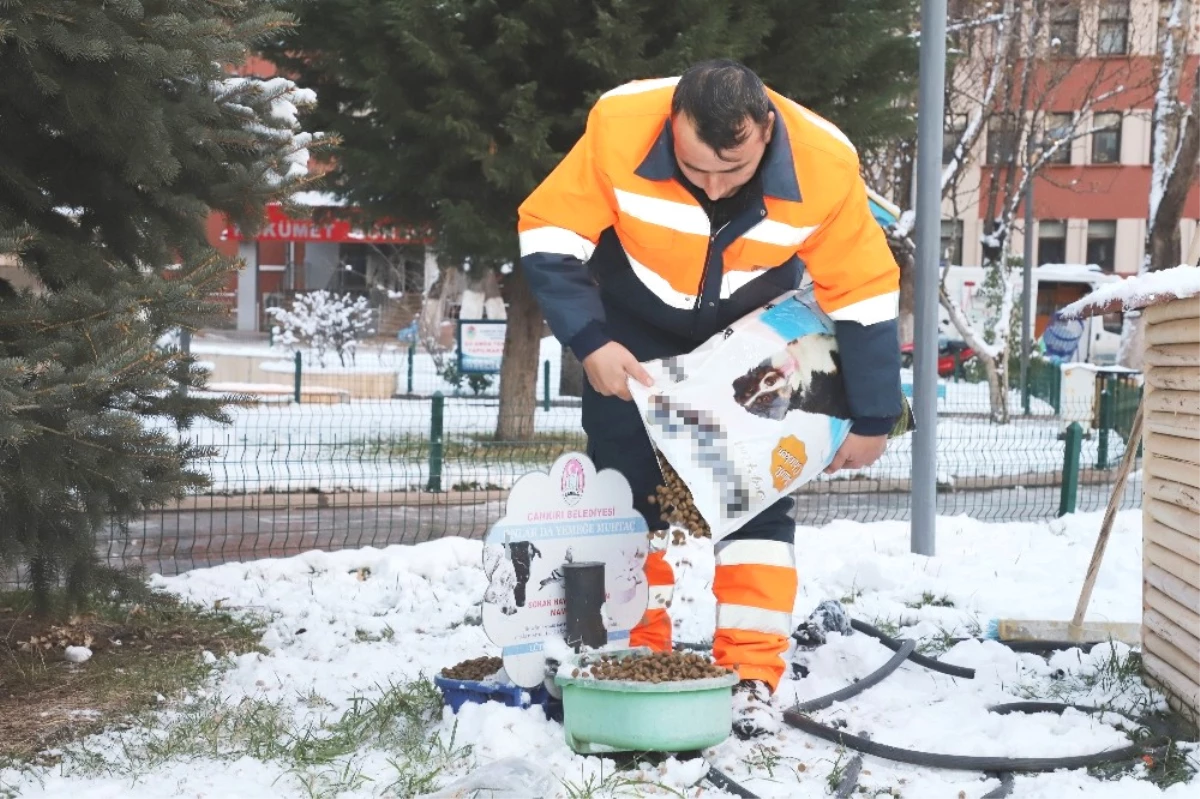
[[770, 131]]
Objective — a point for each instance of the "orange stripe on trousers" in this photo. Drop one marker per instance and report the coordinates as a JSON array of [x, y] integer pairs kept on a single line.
[[654, 630], [756, 655]]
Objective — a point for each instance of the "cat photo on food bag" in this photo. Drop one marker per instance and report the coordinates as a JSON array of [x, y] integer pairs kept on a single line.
[[805, 375]]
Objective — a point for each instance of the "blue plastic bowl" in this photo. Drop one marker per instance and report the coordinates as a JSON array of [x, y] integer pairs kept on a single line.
[[456, 693]]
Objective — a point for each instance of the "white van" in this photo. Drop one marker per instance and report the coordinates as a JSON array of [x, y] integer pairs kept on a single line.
[[1054, 287]]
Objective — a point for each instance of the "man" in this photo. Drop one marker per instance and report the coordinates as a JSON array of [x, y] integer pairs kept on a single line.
[[688, 203]]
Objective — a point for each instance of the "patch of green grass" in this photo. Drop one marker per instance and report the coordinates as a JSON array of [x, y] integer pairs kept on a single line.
[[1163, 766], [838, 772], [146, 646], [764, 758], [619, 782], [324, 757], [928, 599], [886, 626]]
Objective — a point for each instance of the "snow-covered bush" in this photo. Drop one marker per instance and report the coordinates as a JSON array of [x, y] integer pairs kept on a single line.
[[324, 322]]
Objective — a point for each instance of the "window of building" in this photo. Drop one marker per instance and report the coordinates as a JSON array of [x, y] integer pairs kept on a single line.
[[1164, 16], [1002, 137], [1052, 242], [1064, 28], [952, 242], [1106, 138], [1058, 129], [1113, 36], [956, 125], [1102, 244]]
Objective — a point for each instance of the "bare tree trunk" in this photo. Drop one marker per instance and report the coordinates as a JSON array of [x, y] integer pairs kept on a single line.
[[902, 251], [519, 366], [997, 377], [1130, 352], [1165, 244], [571, 376]]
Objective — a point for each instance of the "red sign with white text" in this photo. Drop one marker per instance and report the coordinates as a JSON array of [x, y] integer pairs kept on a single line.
[[280, 227]]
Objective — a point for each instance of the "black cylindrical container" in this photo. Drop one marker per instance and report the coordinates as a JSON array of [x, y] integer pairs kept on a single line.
[[584, 587]]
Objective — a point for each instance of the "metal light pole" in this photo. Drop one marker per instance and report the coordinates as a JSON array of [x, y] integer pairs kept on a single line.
[[1027, 297], [930, 112]]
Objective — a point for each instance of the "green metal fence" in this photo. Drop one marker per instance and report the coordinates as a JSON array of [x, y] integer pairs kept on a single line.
[[339, 469]]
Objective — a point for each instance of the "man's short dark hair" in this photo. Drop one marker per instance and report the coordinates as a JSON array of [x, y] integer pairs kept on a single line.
[[718, 96]]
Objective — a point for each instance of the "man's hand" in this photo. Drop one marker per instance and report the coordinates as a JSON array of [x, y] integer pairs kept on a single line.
[[608, 367], [858, 452]]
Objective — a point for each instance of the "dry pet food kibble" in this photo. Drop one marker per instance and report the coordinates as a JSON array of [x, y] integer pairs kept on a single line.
[[476, 669], [677, 507], [656, 667]]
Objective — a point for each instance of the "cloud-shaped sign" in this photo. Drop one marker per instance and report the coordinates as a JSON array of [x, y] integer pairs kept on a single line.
[[571, 514]]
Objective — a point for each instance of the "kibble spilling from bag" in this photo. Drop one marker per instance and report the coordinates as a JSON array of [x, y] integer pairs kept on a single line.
[[750, 416], [677, 507]]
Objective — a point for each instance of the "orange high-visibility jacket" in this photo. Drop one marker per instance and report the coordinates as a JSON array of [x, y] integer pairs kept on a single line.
[[614, 227]]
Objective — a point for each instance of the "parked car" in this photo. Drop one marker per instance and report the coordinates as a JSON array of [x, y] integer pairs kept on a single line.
[[948, 348]]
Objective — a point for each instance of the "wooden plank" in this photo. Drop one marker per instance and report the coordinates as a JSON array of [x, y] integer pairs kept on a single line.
[[1182, 693], [1162, 399], [1176, 565], [1176, 331], [1172, 424], [1188, 308], [1182, 545], [1186, 595], [1163, 626], [1179, 519], [1181, 449], [1172, 355], [1179, 660], [1181, 472], [1179, 378], [1186, 619], [1172, 492]]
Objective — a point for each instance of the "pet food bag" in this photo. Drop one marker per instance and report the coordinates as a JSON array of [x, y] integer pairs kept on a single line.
[[752, 414]]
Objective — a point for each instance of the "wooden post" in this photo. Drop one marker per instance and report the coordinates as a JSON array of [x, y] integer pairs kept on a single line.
[[1075, 629]]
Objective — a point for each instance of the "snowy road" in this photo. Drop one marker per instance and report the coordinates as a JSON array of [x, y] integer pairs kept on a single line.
[[178, 541]]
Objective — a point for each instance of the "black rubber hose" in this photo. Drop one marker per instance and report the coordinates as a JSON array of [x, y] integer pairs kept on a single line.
[[822, 702], [958, 762], [719, 779], [849, 781], [915, 657], [1036, 647], [1003, 789]]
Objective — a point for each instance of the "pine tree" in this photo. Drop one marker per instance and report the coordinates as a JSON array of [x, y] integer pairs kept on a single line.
[[853, 63], [121, 128], [454, 110]]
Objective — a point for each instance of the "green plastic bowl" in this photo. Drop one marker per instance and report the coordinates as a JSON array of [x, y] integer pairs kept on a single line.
[[630, 716]]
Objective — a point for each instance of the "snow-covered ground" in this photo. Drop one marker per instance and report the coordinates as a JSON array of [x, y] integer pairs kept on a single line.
[[372, 358], [335, 640]]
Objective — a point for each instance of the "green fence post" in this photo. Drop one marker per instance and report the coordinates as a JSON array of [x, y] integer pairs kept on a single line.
[[435, 442], [546, 385], [1070, 475], [1106, 414], [1056, 389], [1025, 397], [412, 351], [298, 378]]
